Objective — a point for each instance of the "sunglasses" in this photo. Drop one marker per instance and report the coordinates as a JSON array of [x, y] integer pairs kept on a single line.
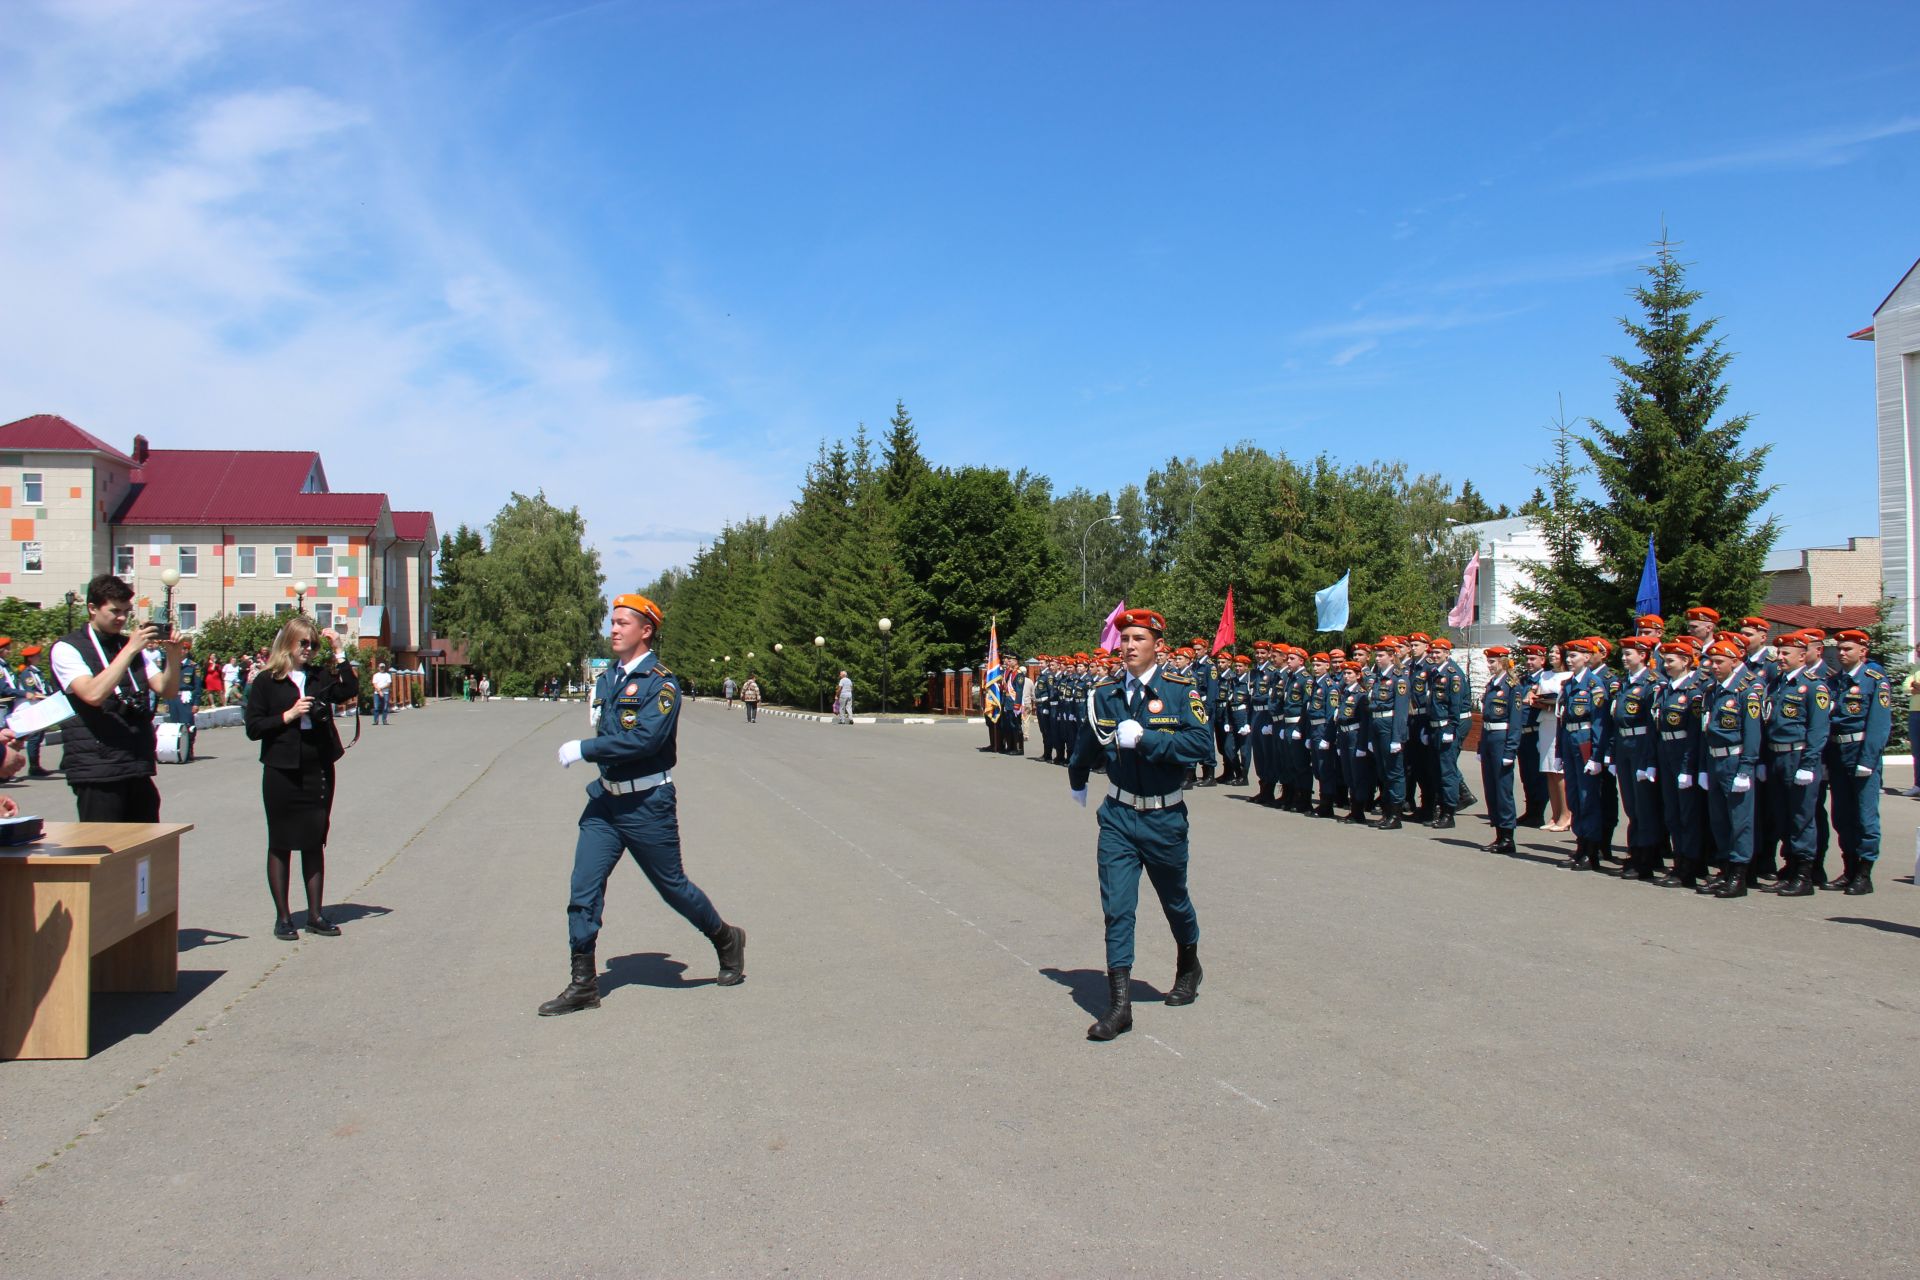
[[306, 644]]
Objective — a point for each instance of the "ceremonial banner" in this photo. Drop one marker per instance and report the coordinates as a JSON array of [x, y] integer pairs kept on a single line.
[[1330, 603], [1648, 601], [990, 692], [1223, 636], [1110, 634], [1462, 615]]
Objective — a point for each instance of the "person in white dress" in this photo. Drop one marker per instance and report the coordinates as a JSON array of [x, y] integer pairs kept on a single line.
[[1546, 696]]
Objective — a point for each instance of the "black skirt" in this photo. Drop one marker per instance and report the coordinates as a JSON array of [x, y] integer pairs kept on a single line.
[[299, 801]]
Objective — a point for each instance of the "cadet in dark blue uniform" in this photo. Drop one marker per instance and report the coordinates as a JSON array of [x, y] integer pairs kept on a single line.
[[1204, 679], [1296, 753], [1323, 701], [1636, 764], [1350, 725], [1533, 782], [1449, 714], [1148, 725], [1237, 719], [1797, 711], [1861, 722], [631, 806], [1500, 746], [1583, 748], [1389, 702], [1730, 716], [1260, 720], [1419, 761], [1678, 764]]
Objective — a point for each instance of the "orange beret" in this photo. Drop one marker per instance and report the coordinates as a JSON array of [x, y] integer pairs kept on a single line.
[[1815, 634], [5, 641], [1443, 644], [1350, 666], [1755, 623], [1323, 657], [1420, 636], [1853, 635], [639, 604], [31, 651], [1336, 653], [1650, 620], [1184, 652], [1678, 649], [1794, 639], [1241, 659], [1641, 643], [1141, 618], [1199, 641], [1498, 651], [1700, 613], [1534, 650], [1722, 649]]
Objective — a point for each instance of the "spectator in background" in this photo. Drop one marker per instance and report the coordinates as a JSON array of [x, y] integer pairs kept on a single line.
[[1913, 723], [216, 682], [33, 687], [843, 700], [486, 688], [750, 694], [230, 681], [727, 687], [382, 690]]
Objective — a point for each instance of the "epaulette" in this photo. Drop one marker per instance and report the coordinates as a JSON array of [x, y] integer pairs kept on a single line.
[[1105, 681], [659, 670], [1175, 677]]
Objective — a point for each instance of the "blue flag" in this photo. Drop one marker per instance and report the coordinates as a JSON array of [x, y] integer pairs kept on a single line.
[[1648, 601], [1332, 604]]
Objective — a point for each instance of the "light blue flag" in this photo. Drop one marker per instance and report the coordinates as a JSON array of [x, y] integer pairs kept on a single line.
[[1332, 604]]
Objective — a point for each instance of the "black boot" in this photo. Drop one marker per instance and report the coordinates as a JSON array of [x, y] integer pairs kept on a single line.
[[1324, 809], [1353, 819], [1734, 883], [583, 992], [1206, 776], [730, 945], [1186, 783], [1578, 862], [1798, 882], [1467, 798], [1118, 1019], [1862, 882], [1186, 976], [1444, 821], [1389, 823], [1848, 869], [1265, 794], [1506, 842]]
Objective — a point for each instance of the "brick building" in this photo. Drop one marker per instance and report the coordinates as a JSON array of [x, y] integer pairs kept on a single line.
[[242, 526]]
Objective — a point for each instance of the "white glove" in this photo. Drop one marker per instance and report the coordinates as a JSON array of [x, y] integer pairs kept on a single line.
[[1803, 777], [1361, 752], [569, 753], [1653, 774], [1128, 735], [1741, 782], [1684, 781], [1423, 737], [1702, 779], [1592, 769], [1079, 797], [1639, 775], [1245, 729], [1394, 747], [1760, 772], [1266, 730], [1509, 763], [1324, 745], [1446, 737], [1296, 735], [1862, 771]]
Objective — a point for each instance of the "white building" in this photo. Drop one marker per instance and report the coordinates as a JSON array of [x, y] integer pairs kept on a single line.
[[1507, 549], [1895, 334]]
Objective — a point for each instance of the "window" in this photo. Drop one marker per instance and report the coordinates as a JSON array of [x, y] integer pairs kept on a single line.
[[282, 563], [123, 562], [189, 561], [323, 562], [323, 614], [31, 488], [247, 610], [186, 617], [245, 555], [30, 561], [281, 608]]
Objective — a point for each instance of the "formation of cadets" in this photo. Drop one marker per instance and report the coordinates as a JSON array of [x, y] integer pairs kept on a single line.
[[1733, 762]]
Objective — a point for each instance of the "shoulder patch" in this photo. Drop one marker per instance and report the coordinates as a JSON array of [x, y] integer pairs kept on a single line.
[[1175, 677]]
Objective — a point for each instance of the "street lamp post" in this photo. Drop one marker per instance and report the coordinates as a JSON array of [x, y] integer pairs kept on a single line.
[[300, 596], [70, 599], [886, 629], [1083, 553], [169, 578], [819, 643]]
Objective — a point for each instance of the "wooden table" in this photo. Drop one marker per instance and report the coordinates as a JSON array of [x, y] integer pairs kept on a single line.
[[92, 906]]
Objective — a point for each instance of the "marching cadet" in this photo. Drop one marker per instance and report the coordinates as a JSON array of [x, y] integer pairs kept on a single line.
[[1796, 715], [1148, 723], [1861, 721], [1296, 754], [1533, 782], [1500, 744], [1449, 714], [1730, 747], [1636, 763], [1350, 723], [632, 806], [1204, 680], [1322, 705], [1583, 744], [1678, 764], [1389, 701]]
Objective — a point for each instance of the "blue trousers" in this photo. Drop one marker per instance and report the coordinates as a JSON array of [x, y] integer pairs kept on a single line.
[[1533, 783], [1389, 769], [1792, 805], [1131, 840], [1856, 813], [1447, 765], [1730, 816], [1498, 782], [646, 825], [1356, 769]]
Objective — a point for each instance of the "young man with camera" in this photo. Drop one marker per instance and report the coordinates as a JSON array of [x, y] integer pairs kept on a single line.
[[109, 744]]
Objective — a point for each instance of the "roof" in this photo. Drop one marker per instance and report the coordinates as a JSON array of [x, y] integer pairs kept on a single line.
[[240, 486], [1827, 617], [51, 432], [1896, 288], [412, 526], [1864, 335]]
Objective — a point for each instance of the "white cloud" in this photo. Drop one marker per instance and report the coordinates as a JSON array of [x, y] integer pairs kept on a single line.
[[203, 245], [1820, 149]]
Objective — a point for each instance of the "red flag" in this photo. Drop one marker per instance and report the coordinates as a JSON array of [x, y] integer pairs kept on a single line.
[[1223, 638]]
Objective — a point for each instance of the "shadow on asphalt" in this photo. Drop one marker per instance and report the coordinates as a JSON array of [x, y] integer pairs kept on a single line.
[[1884, 926], [647, 969], [348, 912], [1089, 988], [191, 938], [119, 1014]]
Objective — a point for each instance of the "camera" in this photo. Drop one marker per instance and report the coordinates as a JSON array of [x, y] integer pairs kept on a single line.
[[162, 627]]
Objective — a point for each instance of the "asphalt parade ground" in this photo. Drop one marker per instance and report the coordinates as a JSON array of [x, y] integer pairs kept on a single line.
[[1409, 1058]]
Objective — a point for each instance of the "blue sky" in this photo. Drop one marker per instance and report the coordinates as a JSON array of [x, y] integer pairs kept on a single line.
[[645, 255]]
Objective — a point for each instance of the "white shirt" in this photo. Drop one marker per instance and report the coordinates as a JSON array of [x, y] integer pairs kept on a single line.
[[69, 666], [1138, 684], [299, 677], [229, 673], [382, 680]]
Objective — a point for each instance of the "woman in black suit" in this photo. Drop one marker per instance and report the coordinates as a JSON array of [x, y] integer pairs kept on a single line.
[[290, 713]]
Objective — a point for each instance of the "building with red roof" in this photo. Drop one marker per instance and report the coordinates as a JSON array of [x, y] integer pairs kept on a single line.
[[251, 531]]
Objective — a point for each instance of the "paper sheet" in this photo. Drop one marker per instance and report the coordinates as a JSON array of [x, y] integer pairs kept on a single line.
[[36, 717]]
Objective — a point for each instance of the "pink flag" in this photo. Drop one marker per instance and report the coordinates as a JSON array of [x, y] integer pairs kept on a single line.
[[1110, 634], [1462, 615]]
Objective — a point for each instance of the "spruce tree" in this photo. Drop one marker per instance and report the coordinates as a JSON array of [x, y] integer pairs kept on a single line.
[[1559, 598], [1671, 470], [902, 466]]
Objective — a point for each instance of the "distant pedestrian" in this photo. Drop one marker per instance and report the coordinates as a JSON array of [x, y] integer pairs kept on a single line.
[[382, 695], [843, 700], [728, 688], [750, 694], [486, 688]]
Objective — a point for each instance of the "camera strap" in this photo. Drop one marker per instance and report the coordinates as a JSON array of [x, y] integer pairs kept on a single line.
[[134, 686]]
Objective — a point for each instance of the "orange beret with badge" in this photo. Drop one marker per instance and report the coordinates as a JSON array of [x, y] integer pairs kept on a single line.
[[1141, 618], [639, 604]]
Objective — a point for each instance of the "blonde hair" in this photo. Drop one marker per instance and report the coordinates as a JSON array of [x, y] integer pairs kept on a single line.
[[280, 658]]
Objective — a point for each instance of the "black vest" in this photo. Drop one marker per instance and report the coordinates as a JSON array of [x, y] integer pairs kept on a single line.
[[114, 741]]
